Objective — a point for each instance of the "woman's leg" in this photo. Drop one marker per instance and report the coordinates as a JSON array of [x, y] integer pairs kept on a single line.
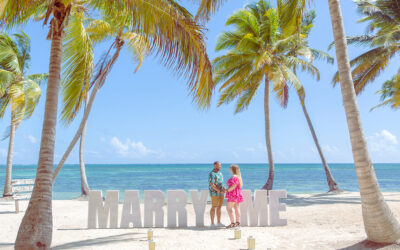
[[229, 207], [237, 212]]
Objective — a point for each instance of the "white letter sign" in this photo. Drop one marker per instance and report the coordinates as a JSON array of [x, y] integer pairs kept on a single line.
[[131, 210], [177, 200], [199, 205], [153, 205], [103, 213], [96, 208], [275, 207], [258, 212]]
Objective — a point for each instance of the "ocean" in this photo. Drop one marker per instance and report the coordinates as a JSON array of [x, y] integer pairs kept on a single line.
[[295, 178]]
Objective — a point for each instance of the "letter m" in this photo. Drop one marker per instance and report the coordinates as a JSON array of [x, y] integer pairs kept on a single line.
[[102, 211], [257, 211]]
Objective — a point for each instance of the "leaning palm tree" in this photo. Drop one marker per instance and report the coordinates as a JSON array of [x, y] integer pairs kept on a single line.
[[382, 41], [379, 221], [301, 48], [257, 51], [105, 29], [179, 40], [18, 91]]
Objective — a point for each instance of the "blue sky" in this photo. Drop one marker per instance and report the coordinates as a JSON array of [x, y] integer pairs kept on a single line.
[[148, 117]]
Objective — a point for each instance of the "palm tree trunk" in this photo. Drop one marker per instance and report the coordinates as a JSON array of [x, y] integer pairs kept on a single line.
[[35, 231], [7, 184], [379, 222], [333, 186], [84, 184], [88, 108], [270, 181]]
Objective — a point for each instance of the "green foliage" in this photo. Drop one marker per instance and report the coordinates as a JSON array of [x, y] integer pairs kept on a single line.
[[169, 29], [19, 91], [390, 93], [259, 49], [77, 67], [382, 37]]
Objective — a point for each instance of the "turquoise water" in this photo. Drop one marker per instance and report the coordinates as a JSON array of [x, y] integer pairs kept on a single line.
[[295, 178]]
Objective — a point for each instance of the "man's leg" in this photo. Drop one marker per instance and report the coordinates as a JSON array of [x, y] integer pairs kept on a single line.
[[212, 215], [219, 214]]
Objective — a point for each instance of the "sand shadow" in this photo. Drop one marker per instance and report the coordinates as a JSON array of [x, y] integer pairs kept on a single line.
[[325, 199], [6, 244], [369, 245], [113, 239], [9, 212]]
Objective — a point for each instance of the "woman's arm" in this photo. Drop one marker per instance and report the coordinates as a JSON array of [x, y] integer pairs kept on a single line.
[[232, 187]]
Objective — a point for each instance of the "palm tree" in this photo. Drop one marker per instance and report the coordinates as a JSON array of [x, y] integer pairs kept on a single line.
[[179, 39], [108, 28], [379, 222], [258, 51], [383, 38], [302, 48], [18, 91]]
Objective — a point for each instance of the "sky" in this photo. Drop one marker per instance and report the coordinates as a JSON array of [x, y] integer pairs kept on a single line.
[[149, 117]]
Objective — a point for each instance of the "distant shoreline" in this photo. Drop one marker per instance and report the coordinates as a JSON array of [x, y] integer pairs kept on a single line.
[[207, 163]]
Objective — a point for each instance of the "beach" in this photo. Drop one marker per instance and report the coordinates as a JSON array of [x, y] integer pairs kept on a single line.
[[315, 221]]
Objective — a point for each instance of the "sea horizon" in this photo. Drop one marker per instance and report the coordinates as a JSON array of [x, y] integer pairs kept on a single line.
[[296, 178]]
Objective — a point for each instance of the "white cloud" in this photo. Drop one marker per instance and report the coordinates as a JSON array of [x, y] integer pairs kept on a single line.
[[383, 141], [130, 148], [330, 149], [32, 139]]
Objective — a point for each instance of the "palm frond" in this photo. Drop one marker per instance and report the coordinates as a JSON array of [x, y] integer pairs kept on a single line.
[[207, 8], [16, 12], [138, 45], [99, 31], [38, 78], [78, 67]]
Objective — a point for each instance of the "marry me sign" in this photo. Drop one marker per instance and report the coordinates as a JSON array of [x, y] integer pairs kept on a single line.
[[261, 211]]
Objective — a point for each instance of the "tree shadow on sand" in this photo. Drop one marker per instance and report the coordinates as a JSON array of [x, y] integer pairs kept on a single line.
[[101, 241], [326, 199], [368, 245]]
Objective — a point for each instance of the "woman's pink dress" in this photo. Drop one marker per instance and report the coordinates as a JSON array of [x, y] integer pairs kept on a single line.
[[236, 194]]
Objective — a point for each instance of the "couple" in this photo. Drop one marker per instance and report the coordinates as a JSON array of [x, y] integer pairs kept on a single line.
[[233, 194]]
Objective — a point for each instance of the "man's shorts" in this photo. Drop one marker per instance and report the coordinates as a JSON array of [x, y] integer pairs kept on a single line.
[[217, 201]]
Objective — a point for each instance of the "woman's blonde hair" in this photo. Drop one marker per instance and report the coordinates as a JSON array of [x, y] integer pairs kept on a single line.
[[236, 171]]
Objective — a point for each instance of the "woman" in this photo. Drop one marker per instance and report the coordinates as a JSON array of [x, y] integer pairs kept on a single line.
[[234, 195]]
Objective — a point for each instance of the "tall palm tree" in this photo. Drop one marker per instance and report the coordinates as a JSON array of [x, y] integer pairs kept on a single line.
[[382, 40], [108, 28], [379, 222], [258, 51], [18, 91], [179, 39], [301, 48]]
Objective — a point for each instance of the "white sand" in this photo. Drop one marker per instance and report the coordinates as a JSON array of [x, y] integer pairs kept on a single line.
[[323, 221]]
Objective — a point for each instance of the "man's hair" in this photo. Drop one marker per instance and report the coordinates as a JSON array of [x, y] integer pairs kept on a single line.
[[216, 163]]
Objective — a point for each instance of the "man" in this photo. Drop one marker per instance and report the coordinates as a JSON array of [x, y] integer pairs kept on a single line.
[[217, 192]]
